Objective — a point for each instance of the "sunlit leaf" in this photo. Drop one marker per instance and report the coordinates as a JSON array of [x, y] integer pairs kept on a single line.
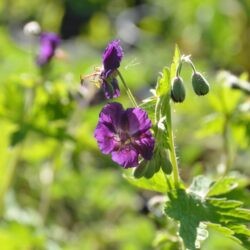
[[163, 83], [156, 183], [224, 185], [175, 62], [190, 210], [149, 106]]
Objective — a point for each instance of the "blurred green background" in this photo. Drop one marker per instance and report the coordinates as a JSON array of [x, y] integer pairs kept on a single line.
[[57, 191]]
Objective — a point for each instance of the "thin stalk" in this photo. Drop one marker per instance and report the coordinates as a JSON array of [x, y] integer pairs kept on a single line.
[[157, 134], [192, 65], [129, 93], [45, 199], [12, 168], [178, 71], [171, 144], [227, 145], [157, 111]]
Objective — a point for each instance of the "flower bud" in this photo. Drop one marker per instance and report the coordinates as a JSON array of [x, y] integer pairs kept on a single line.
[[178, 93], [200, 84], [141, 169], [151, 167], [166, 165]]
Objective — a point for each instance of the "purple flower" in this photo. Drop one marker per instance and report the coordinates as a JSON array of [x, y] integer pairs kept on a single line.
[[48, 45], [125, 134], [112, 57], [111, 60]]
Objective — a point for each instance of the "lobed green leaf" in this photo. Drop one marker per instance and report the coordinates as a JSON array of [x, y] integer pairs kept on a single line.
[[191, 210]]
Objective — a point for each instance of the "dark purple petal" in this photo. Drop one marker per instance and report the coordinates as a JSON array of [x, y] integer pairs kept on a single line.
[[145, 145], [138, 121], [112, 57], [111, 115], [105, 139], [48, 45], [111, 89], [126, 157]]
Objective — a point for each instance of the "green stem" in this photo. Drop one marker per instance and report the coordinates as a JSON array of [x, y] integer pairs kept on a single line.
[[192, 65], [227, 145], [178, 71], [12, 167], [158, 134], [171, 143], [157, 111], [45, 199], [129, 93]]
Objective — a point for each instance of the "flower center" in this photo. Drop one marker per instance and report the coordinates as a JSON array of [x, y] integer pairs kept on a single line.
[[123, 138]]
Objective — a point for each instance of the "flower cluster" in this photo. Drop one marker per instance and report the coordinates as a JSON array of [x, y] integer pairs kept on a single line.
[[48, 43], [125, 134]]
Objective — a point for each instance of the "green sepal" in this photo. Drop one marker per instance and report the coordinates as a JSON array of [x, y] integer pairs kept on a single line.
[[166, 165], [151, 168], [140, 170]]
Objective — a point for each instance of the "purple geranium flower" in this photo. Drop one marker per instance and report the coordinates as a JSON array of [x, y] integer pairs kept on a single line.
[[111, 60], [125, 134], [48, 45]]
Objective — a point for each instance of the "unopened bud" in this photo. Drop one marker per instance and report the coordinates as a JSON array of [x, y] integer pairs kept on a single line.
[[151, 167], [178, 92], [166, 165], [200, 84], [140, 170]]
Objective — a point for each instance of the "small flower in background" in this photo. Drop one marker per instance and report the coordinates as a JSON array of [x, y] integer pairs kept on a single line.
[[111, 60], [48, 43], [105, 77], [32, 28], [125, 134]]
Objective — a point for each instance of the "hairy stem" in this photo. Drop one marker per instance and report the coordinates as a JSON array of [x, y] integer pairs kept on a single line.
[[129, 93], [172, 153], [188, 60]]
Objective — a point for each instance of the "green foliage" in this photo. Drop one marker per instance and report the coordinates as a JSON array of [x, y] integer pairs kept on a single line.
[[198, 206], [57, 191], [163, 85], [156, 183], [175, 62]]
